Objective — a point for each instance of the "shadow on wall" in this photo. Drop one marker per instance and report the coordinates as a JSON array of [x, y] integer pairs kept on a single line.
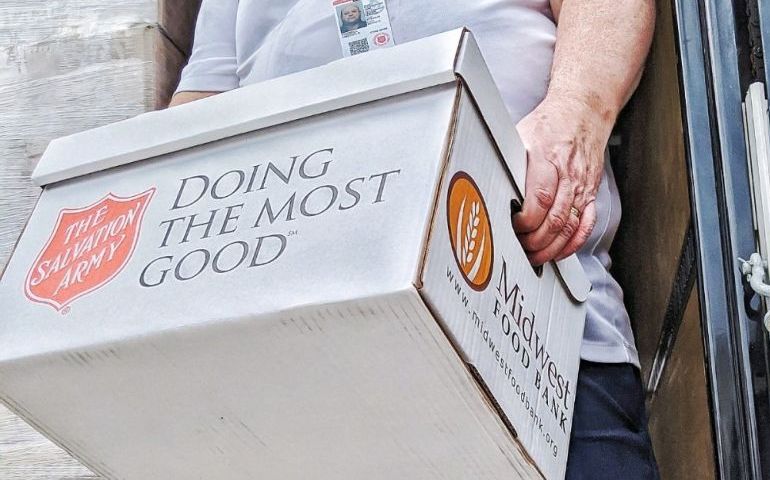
[[650, 169]]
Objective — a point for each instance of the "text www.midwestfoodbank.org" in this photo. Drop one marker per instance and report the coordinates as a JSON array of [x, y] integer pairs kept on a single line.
[[526, 344]]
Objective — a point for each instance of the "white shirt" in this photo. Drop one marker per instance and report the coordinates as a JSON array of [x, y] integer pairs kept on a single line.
[[238, 42]]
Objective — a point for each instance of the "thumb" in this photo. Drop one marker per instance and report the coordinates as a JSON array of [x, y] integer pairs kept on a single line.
[[539, 193]]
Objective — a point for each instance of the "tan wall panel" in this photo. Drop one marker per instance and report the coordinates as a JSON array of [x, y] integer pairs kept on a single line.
[[651, 174], [680, 420], [177, 19]]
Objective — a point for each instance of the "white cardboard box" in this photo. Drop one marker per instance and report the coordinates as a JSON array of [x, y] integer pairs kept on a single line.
[[313, 277]]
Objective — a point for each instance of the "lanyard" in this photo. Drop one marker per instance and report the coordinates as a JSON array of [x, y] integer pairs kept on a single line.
[[364, 25]]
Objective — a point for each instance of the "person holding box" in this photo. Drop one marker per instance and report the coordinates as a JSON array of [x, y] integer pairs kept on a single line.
[[565, 68]]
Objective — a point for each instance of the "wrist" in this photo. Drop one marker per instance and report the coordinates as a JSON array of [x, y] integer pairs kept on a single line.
[[585, 107]]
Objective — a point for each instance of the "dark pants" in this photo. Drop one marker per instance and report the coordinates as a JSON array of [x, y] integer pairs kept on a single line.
[[609, 427]]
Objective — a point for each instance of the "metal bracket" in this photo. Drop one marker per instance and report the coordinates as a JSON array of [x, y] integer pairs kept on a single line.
[[758, 148], [756, 271]]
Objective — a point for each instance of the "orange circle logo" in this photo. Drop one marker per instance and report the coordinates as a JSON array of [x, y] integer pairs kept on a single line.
[[470, 231]]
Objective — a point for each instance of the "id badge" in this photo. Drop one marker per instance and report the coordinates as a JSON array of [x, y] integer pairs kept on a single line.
[[364, 25]]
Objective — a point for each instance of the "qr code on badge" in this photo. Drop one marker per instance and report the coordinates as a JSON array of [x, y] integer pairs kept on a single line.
[[359, 46]]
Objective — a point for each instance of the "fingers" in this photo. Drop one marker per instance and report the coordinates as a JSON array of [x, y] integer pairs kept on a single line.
[[556, 245], [569, 240], [540, 192], [546, 227], [581, 179], [584, 230], [559, 224]]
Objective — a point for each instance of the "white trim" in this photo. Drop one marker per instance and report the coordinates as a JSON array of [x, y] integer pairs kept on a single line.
[[758, 139]]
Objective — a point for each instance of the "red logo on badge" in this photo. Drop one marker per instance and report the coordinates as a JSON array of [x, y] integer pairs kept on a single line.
[[381, 39], [88, 247]]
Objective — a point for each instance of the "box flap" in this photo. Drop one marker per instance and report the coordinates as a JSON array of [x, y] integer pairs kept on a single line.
[[473, 70], [379, 74]]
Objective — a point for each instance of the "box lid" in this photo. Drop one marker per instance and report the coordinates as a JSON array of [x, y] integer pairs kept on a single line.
[[380, 74], [424, 63]]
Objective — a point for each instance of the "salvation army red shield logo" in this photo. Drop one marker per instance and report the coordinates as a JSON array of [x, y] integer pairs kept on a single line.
[[88, 247]]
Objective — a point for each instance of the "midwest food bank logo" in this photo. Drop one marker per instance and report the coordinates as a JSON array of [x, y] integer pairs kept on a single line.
[[470, 231], [87, 249]]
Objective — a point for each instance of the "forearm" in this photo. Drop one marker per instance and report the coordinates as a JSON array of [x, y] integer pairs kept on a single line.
[[601, 46], [186, 97]]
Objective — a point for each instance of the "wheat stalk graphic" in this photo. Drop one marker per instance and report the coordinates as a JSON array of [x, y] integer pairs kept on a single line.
[[471, 232], [466, 244]]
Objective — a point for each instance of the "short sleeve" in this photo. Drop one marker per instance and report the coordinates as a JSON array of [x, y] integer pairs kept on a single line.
[[213, 64]]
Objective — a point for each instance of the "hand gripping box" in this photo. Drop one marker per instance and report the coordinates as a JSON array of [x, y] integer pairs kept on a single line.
[[313, 277]]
